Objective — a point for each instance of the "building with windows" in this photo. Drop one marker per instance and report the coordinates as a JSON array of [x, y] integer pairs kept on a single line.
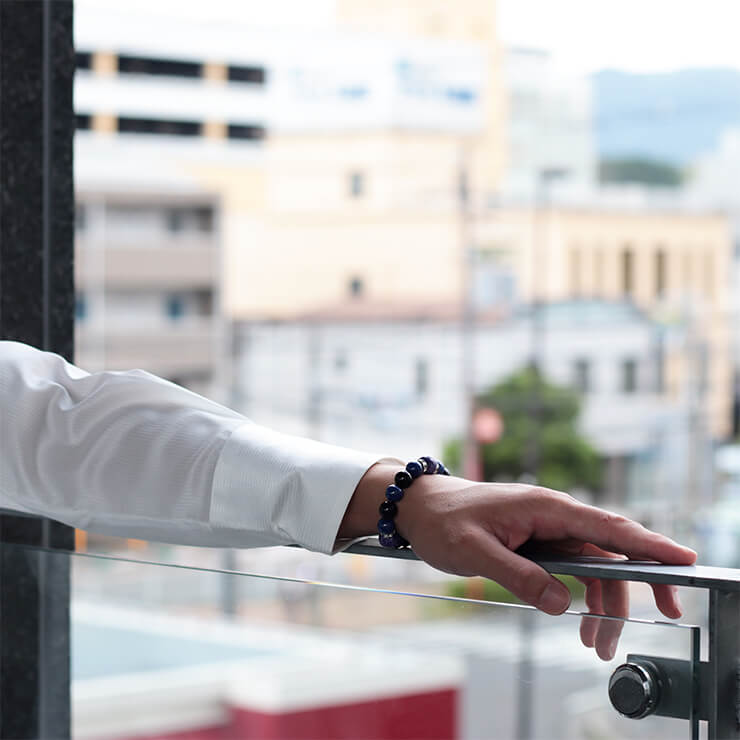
[[715, 183], [331, 180], [389, 376]]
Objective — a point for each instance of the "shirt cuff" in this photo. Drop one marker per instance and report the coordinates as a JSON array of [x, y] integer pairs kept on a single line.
[[288, 489]]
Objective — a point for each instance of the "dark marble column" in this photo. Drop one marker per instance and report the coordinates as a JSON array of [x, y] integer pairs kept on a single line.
[[36, 306]]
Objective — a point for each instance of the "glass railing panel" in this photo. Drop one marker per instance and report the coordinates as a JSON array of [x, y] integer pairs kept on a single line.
[[176, 652], [162, 651]]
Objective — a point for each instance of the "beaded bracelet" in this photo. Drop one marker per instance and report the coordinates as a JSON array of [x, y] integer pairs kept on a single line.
[[387, 534]]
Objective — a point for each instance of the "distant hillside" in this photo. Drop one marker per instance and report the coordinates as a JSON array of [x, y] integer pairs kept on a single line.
[[671, 117]]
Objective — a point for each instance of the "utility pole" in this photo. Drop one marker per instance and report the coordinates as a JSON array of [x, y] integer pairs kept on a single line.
[[470, 458], [546, 176], [314, 398]]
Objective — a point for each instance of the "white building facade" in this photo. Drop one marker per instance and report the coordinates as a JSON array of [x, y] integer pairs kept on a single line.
[[395, 385]]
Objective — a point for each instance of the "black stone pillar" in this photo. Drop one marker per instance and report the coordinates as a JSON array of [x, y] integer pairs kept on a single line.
[[36, 307]]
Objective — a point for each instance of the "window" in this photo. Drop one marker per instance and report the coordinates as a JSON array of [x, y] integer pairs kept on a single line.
[[83, 60], [157, 126], [660, 273], [203, 302], [340, 360], [702, 366], [159, 67], [598, 272], [709, 275], [627, 272], [660, 364], [239, 131], [356, 184], [190, 219], [582, 375], [574, 267], [629, 376], [253, 75], [356, 287], [80, 217], [175, 307], [81, 307], [421, 376], [83, 121], [688, 282]]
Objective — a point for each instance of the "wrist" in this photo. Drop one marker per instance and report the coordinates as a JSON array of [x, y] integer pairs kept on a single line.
[[361, 517]]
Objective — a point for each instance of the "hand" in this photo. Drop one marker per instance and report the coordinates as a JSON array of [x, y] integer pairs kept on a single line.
[[470, 529]]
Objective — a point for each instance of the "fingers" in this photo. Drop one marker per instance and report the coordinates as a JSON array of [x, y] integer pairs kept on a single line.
[[666, 599], [568, 518], [590, 625], [522, 577], [606, 598], [615, 599]]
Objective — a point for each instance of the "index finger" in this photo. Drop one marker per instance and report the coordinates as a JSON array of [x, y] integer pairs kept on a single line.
[[617, 533]]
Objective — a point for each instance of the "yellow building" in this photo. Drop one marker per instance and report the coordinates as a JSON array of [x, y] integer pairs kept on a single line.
[[316, 198]]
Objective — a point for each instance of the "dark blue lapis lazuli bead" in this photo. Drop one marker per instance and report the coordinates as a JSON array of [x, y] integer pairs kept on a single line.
[[394, 493], [391, 540], [388, 509], [403, 479], [386, 526], [430, 464], [414, 468], [442, 470]]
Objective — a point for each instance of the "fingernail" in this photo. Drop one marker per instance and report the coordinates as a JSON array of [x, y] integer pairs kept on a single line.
[[554, 600], [613, 648], [679, 606]]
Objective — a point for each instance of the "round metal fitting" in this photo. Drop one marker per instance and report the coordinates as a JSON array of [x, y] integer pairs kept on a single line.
[[634, 690]]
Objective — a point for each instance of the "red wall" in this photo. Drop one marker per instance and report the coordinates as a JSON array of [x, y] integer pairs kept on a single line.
[[428, 716]]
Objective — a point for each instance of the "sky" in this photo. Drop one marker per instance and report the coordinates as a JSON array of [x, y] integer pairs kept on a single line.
[[586, 35], [636, 35]]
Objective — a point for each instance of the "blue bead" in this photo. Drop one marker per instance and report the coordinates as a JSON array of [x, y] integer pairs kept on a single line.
[[403, 479], [430, 464], [414, 468], [392, 540], [394, 493], [387, 510], [442, 470], [386, 526]]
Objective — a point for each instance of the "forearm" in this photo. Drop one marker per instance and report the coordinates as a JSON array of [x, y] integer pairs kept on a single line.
[[133, 455]]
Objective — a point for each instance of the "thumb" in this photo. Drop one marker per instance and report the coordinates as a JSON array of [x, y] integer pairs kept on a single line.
[[523, 578]]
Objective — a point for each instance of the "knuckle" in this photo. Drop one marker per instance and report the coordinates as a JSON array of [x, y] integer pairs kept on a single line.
[[538, 493], [610, 520]]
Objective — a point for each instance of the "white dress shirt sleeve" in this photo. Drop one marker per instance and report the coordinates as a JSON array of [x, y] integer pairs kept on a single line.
[[130, 454]]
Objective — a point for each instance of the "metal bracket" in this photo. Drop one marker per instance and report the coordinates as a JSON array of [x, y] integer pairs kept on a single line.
[[676, 691]]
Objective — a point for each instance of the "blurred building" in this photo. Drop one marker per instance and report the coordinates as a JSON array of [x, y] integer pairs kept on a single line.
[[147, 274], [715, 182], [550, 126], [389, 377], [672, 263], [195, 140], [373, 177]]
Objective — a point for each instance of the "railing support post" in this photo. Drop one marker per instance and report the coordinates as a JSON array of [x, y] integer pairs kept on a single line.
[[724, 665]]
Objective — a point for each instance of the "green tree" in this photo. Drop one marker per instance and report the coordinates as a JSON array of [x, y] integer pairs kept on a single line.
[[566, 459], [640, 170]]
